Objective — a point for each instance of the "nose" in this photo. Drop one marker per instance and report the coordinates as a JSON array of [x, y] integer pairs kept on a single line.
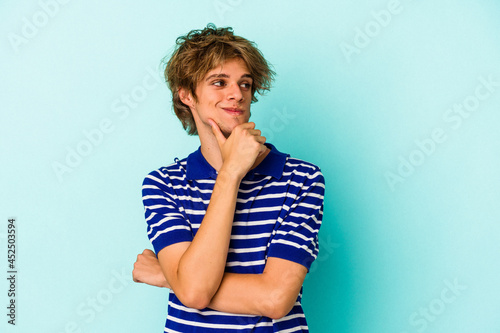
[[234, 92]]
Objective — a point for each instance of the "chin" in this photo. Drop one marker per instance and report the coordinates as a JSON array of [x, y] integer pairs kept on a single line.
[[227, 130], [231, 124]]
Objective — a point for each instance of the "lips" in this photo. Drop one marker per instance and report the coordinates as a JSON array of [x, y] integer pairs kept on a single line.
[[234, 111]]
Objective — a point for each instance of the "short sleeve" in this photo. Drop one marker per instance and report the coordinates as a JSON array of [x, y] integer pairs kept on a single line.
[[166, 223], [296, 236]]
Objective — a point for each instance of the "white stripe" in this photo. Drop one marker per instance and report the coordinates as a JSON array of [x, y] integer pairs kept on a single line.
[[319, 185], [225, 326], [295, 329], [177, 227], [157, 196], [315, 219], [153, 214], [291, 165], [315, 195], [245, 263], [165, 219], [247, 249], [306, 205], [206, 181], [268, 196], [164, 171], [193, 211], [150, 187], [292, 316], [303, 174], [257, 210], [173, 177], [268, 185], [296, 234], [303, 224], [175, 187], [304, 216], [191, 199], [253, 223], [159, 206], [250, 182], [303, 247], [252, 236], [158, 180], [250, 190], [196, 188]]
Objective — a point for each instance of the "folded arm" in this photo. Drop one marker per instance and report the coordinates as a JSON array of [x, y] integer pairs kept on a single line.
[[271, 294]]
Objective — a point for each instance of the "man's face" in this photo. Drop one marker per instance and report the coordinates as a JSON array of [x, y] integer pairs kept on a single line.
[[224, 95]]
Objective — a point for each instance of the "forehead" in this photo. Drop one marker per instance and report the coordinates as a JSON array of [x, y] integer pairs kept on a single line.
[[235, 67]]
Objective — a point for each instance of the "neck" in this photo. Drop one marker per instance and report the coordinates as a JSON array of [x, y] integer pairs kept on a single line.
[[210, 150]]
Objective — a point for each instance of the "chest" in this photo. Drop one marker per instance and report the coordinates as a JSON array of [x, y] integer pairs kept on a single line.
[[261, 206]]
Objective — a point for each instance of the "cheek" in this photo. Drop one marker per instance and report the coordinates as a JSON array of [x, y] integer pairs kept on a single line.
[[248, 97]]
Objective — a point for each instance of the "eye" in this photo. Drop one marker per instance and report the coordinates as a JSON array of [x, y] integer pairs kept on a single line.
[[219, 83], [246, 85]]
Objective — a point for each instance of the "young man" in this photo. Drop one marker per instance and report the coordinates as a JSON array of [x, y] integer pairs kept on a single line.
[[235, 224]]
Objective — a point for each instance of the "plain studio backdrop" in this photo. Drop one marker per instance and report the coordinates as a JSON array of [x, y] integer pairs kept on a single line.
[[397, 101]]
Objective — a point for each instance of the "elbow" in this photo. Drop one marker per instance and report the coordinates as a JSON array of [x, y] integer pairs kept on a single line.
[[279, 312], [194, 299], [277, 306], [196, 303]]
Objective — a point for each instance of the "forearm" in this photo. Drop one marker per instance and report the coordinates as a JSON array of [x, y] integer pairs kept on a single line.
[[201, 267], [256, 294], [240, 293]]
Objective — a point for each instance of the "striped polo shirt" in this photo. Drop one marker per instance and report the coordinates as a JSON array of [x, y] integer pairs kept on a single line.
[[278, 213]]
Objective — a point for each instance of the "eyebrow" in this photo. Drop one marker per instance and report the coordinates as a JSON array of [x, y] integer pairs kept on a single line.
[[222, 75]]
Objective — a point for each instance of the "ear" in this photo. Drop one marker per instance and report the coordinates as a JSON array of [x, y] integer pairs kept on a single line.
[[186, 97]]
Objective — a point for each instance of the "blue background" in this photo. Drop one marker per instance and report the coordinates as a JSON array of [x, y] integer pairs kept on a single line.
[[367, 90]]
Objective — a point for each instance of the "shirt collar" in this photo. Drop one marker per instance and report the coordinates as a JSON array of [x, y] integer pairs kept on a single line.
[[273, 165]]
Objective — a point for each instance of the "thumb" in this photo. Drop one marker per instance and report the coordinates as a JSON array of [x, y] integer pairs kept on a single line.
[[148, 252], [221, 139]]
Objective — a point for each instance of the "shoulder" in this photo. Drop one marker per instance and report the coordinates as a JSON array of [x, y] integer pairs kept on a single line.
[[302, 170], [292, 168], [163, 176], [293, 163]]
